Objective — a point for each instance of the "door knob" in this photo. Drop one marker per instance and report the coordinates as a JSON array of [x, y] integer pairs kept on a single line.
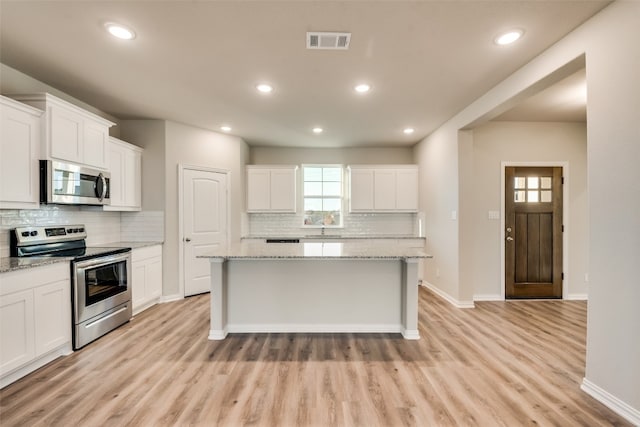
[[509, 239], [186, 239]]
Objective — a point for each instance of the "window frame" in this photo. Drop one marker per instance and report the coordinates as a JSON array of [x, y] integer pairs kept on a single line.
[[341, 197]]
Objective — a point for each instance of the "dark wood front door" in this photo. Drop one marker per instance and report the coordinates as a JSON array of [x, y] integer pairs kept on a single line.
[[533, 232]]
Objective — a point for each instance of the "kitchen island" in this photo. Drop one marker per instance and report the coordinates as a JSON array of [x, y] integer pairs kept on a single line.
[[314, 287]]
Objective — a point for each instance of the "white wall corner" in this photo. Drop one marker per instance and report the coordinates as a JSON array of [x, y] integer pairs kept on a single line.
[[611, 402], [447, 297]]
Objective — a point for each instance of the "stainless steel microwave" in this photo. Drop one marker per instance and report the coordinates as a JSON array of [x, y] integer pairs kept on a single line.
[[70, 184]]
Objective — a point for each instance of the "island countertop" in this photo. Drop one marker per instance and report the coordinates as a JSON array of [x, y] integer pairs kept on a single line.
[[314, 250]]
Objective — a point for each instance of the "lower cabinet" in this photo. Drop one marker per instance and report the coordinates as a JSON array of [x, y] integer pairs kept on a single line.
[[146, 276], [35, 319]]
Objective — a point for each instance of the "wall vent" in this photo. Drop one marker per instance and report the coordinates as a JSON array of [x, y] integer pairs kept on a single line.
[[328, 40]]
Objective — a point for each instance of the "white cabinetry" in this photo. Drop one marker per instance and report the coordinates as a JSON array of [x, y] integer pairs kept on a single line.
[[125, 166], [71, 133], [271, 188], [20, 127], [146, 277], [389, 188], [35, 319]]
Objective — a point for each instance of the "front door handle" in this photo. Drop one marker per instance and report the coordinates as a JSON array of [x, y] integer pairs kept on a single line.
[[509, 239], [186, 239]]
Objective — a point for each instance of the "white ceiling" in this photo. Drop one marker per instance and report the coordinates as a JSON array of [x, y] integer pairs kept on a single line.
[[198, 62]]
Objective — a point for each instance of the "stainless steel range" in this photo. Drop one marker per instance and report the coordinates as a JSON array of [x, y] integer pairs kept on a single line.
[[100, 277]]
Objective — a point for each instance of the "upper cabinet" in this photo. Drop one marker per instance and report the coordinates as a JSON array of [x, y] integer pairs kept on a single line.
[[271, 188], [71, 133], [387, 188], [125, 166], [20, 127]]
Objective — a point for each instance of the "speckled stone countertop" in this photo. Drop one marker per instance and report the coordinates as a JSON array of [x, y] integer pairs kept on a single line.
[[14, 263], [248, 249], [20, 263], [333, 237], [132, 245]]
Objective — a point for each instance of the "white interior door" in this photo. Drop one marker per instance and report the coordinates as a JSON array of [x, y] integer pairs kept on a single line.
[[204, 224]]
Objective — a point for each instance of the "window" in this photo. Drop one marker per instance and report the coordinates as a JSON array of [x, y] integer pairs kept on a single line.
[[322, 193], [532, 189]]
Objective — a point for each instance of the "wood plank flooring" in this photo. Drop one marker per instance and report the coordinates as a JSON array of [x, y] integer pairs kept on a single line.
[[500, 364]]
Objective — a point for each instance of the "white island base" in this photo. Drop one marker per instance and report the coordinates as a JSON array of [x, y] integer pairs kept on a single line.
[[314, 295]]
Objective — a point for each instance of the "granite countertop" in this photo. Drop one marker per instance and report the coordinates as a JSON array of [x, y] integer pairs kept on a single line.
[[132, 245], [334, 237], [314, 250], [19, 263], [14, 263]]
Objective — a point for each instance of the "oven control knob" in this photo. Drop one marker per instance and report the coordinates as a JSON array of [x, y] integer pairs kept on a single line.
[[76, 230], [33, 233], [81, 230], [69, 230], [25, 234]]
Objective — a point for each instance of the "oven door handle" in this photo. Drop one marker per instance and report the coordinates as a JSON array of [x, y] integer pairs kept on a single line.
[[102, 260]]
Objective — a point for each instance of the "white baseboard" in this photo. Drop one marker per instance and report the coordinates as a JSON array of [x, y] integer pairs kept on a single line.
[[577, 297], [610, 401], [447, 297], [170, 298], [488, 297], [314, 328]]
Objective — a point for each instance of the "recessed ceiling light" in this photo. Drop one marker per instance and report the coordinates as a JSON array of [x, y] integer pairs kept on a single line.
[[362, 88], [408, 131], [120, 31], [508, 37], [225, 128], [264, 88], [317, 130]]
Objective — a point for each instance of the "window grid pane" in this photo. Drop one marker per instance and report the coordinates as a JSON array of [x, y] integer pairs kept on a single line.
[[322, 187]]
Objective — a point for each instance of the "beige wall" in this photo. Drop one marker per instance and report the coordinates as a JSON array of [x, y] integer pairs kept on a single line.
[[192, 146], [613, 150], [150, 135], [345, 156], [497, 142]]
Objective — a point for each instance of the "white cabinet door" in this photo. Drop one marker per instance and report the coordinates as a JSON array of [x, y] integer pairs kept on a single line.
[[66, 134], [20, 138], [271, 188], [72, 133], [52, 305], [258, 190], [138, 284], [117, 171], [283, 190], [384, 184], [361, 194], [383, 188], [17, 344], [96, 144], [146, 277], [407, 190], [125, 166]]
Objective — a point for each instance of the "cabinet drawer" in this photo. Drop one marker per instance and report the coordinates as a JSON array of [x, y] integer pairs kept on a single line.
[[21, 280], [140, 254]]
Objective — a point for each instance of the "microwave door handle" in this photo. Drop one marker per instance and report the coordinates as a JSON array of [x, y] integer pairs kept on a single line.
[[101, 186]]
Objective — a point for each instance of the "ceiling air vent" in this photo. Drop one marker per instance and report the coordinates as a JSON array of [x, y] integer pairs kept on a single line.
[[328, 40]]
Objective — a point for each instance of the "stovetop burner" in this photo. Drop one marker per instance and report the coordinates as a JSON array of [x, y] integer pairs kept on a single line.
[[56, 241]]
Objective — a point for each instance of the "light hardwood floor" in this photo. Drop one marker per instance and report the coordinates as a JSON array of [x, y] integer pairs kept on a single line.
[[502, 363]]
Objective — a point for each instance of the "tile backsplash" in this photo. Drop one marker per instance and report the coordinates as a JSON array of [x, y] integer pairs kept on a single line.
[[102, 227], [371, 225]]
